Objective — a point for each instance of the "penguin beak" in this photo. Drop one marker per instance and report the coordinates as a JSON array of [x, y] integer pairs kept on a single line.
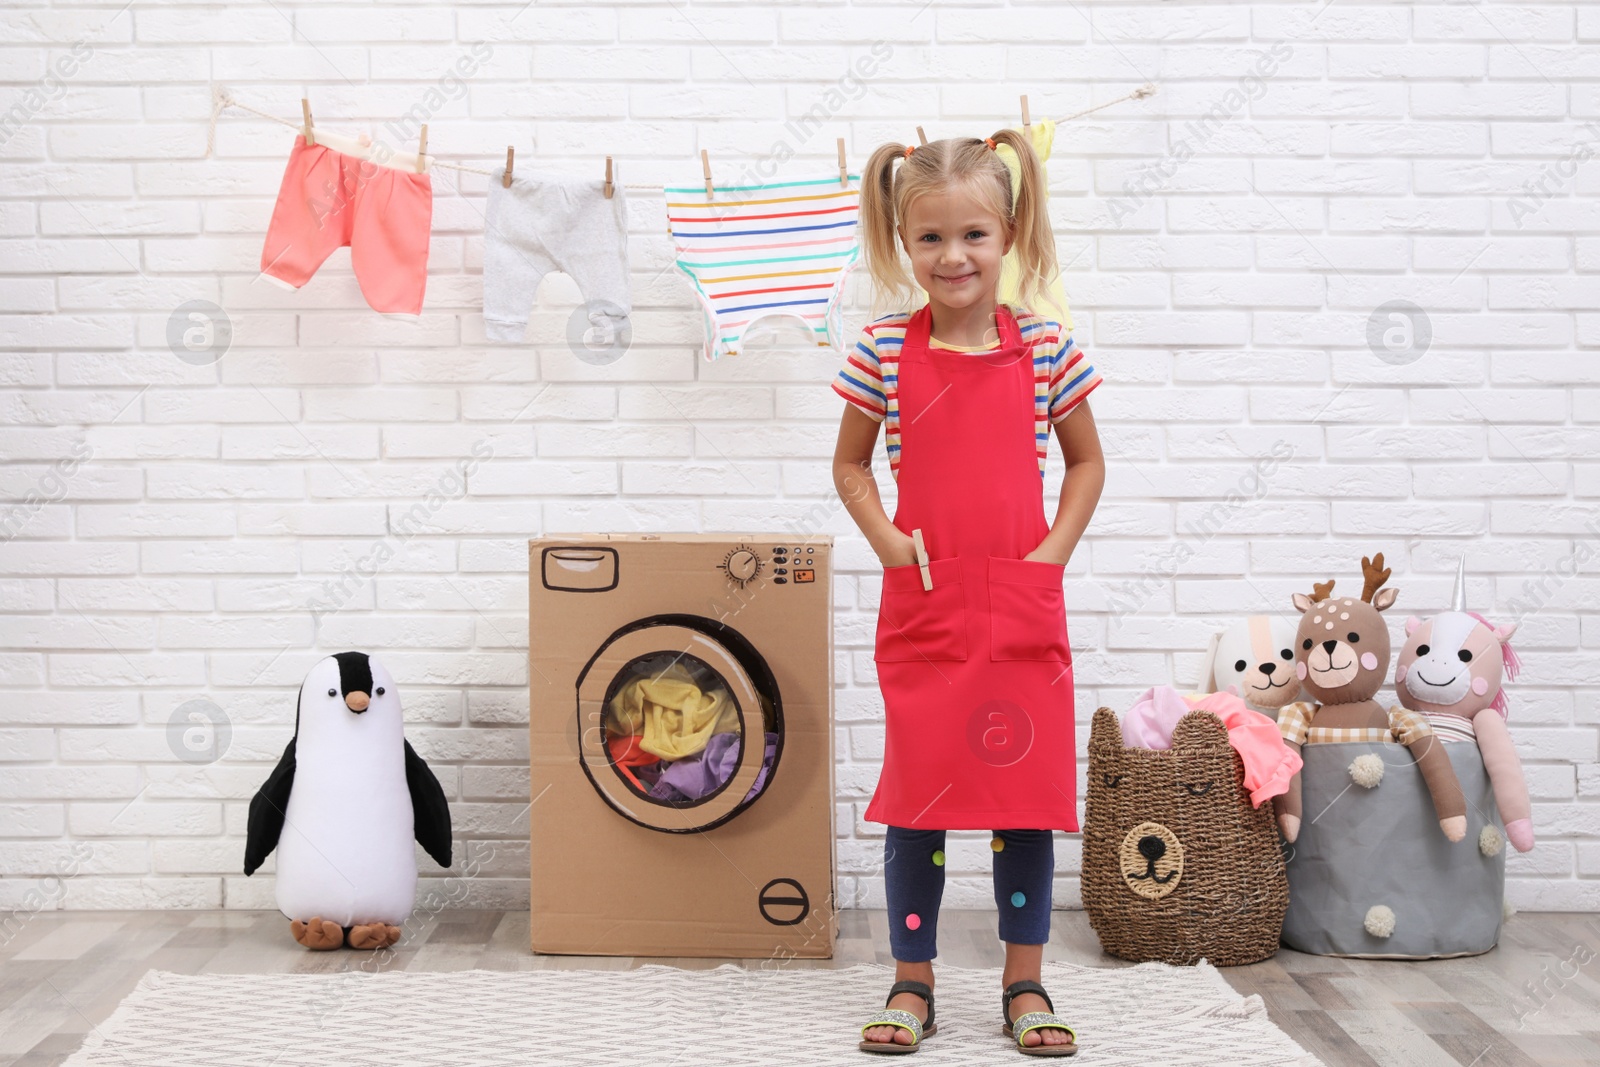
[[357, 701]]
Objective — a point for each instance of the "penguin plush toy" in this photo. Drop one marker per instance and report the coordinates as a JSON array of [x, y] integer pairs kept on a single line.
[[343, 807]]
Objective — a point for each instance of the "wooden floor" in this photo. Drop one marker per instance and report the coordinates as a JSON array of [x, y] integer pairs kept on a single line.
[[1534, 1000]]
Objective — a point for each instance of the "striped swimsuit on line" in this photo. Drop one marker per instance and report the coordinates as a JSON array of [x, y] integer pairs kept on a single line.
[[751, 251]]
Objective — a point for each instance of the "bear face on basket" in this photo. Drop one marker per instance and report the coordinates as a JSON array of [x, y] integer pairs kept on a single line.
[[1342, 659], [1177, 865]]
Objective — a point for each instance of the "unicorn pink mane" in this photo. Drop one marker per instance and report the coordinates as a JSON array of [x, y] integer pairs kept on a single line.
[[1508, 661]]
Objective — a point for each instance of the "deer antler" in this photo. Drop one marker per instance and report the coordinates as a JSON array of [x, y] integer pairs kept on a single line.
[[1374, 573], [1321, 591]]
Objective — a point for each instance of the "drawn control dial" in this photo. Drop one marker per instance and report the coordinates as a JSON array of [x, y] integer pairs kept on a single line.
[[742, 565]]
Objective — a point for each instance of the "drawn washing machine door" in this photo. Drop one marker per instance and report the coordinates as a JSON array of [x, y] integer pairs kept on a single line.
[[663, 689]]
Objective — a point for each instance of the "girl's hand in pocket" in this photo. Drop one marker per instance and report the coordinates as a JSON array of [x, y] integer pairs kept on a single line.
[[1042, 554], [899, 551]]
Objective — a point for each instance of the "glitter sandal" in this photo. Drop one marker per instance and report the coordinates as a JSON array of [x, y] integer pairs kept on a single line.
[[902, 1019]]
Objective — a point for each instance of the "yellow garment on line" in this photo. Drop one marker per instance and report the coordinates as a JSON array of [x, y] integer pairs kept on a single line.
[[675, 717], [1043, 134]]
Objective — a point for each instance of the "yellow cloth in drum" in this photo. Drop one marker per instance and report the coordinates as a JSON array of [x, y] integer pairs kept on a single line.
[[1043, 134], [674, 715]]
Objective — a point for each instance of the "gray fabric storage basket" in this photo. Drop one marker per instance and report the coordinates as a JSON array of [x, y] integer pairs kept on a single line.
[[1361, 848]]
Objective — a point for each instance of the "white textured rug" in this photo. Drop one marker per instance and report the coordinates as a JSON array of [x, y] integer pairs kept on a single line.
[[1144, 1015]]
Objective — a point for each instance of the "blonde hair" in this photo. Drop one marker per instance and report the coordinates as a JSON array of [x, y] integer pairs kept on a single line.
[[971, 164]]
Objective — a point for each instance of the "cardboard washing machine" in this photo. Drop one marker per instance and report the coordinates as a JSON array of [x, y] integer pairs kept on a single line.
[[642, 649]]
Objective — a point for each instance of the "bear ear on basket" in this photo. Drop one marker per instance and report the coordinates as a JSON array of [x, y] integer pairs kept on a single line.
[[1104, 729], [1200, 729]]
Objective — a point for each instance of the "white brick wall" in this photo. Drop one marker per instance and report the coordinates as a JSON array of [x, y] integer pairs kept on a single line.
[[1222, 273]]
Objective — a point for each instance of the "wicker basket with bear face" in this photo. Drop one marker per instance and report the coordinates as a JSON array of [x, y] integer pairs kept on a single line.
[[1176, 863]]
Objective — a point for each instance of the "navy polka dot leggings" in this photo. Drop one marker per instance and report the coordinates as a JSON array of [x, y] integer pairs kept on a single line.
[[913, 874]]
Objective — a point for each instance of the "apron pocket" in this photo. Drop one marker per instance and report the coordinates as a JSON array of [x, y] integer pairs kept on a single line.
[[1027, 610], [922, 624]]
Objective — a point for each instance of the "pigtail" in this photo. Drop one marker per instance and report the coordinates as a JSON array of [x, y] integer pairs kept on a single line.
[[1034, 244], [892, 285]]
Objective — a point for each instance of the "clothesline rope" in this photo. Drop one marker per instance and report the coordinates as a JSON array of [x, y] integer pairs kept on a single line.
[[222, 98]]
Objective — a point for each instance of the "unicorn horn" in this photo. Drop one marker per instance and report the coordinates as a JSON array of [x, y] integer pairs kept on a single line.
[[1458, 599]]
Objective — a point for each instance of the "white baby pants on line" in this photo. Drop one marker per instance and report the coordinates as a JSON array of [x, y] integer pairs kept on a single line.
[[543, 224]]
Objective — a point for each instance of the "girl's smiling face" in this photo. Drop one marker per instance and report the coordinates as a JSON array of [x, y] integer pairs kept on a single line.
[[956, 243]]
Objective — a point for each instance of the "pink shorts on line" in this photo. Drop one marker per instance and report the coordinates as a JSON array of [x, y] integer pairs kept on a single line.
[[329, 199]]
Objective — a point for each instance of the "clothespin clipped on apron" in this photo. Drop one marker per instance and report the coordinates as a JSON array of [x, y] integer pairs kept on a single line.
[[844, 173], [1025, 116], [505, 179], [422, 150], [705, 167], [608, 177], [305, 114], [922, 559]]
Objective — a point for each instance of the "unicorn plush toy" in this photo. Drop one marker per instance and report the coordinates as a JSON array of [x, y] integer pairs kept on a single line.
[[1451, 670]]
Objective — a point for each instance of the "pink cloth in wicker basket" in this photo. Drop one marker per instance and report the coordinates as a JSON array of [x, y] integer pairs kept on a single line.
[[1268, 762]]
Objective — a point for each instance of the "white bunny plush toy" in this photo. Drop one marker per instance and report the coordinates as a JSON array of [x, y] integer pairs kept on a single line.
[[1254, 660]]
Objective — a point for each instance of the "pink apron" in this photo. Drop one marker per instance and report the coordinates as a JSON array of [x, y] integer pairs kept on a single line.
[[976, 673]]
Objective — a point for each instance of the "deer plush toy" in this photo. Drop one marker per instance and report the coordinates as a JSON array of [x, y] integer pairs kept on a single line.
[[1451, 670], [1342, 658]]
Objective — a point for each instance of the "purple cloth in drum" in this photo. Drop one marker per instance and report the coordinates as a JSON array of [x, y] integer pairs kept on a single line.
[[705, 772]]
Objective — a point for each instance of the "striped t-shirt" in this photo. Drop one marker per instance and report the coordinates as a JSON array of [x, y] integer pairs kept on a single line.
[[1062, 375]]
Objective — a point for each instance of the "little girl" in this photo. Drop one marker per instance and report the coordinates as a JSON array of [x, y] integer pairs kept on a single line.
[[971, 646]]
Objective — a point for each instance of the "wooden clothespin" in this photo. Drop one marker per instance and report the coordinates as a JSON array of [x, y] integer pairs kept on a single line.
[[1025, 116], [305, 114], [922, 559], [844, 172], [422, 150], [608, 177], [505, 179], [705, 166], [922, 136]]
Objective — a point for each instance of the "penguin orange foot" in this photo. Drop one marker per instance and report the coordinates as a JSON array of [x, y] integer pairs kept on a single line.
[[319, 934], [373, 935]]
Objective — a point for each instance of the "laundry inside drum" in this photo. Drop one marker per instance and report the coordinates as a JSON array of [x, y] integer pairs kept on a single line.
[[674, 731]]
